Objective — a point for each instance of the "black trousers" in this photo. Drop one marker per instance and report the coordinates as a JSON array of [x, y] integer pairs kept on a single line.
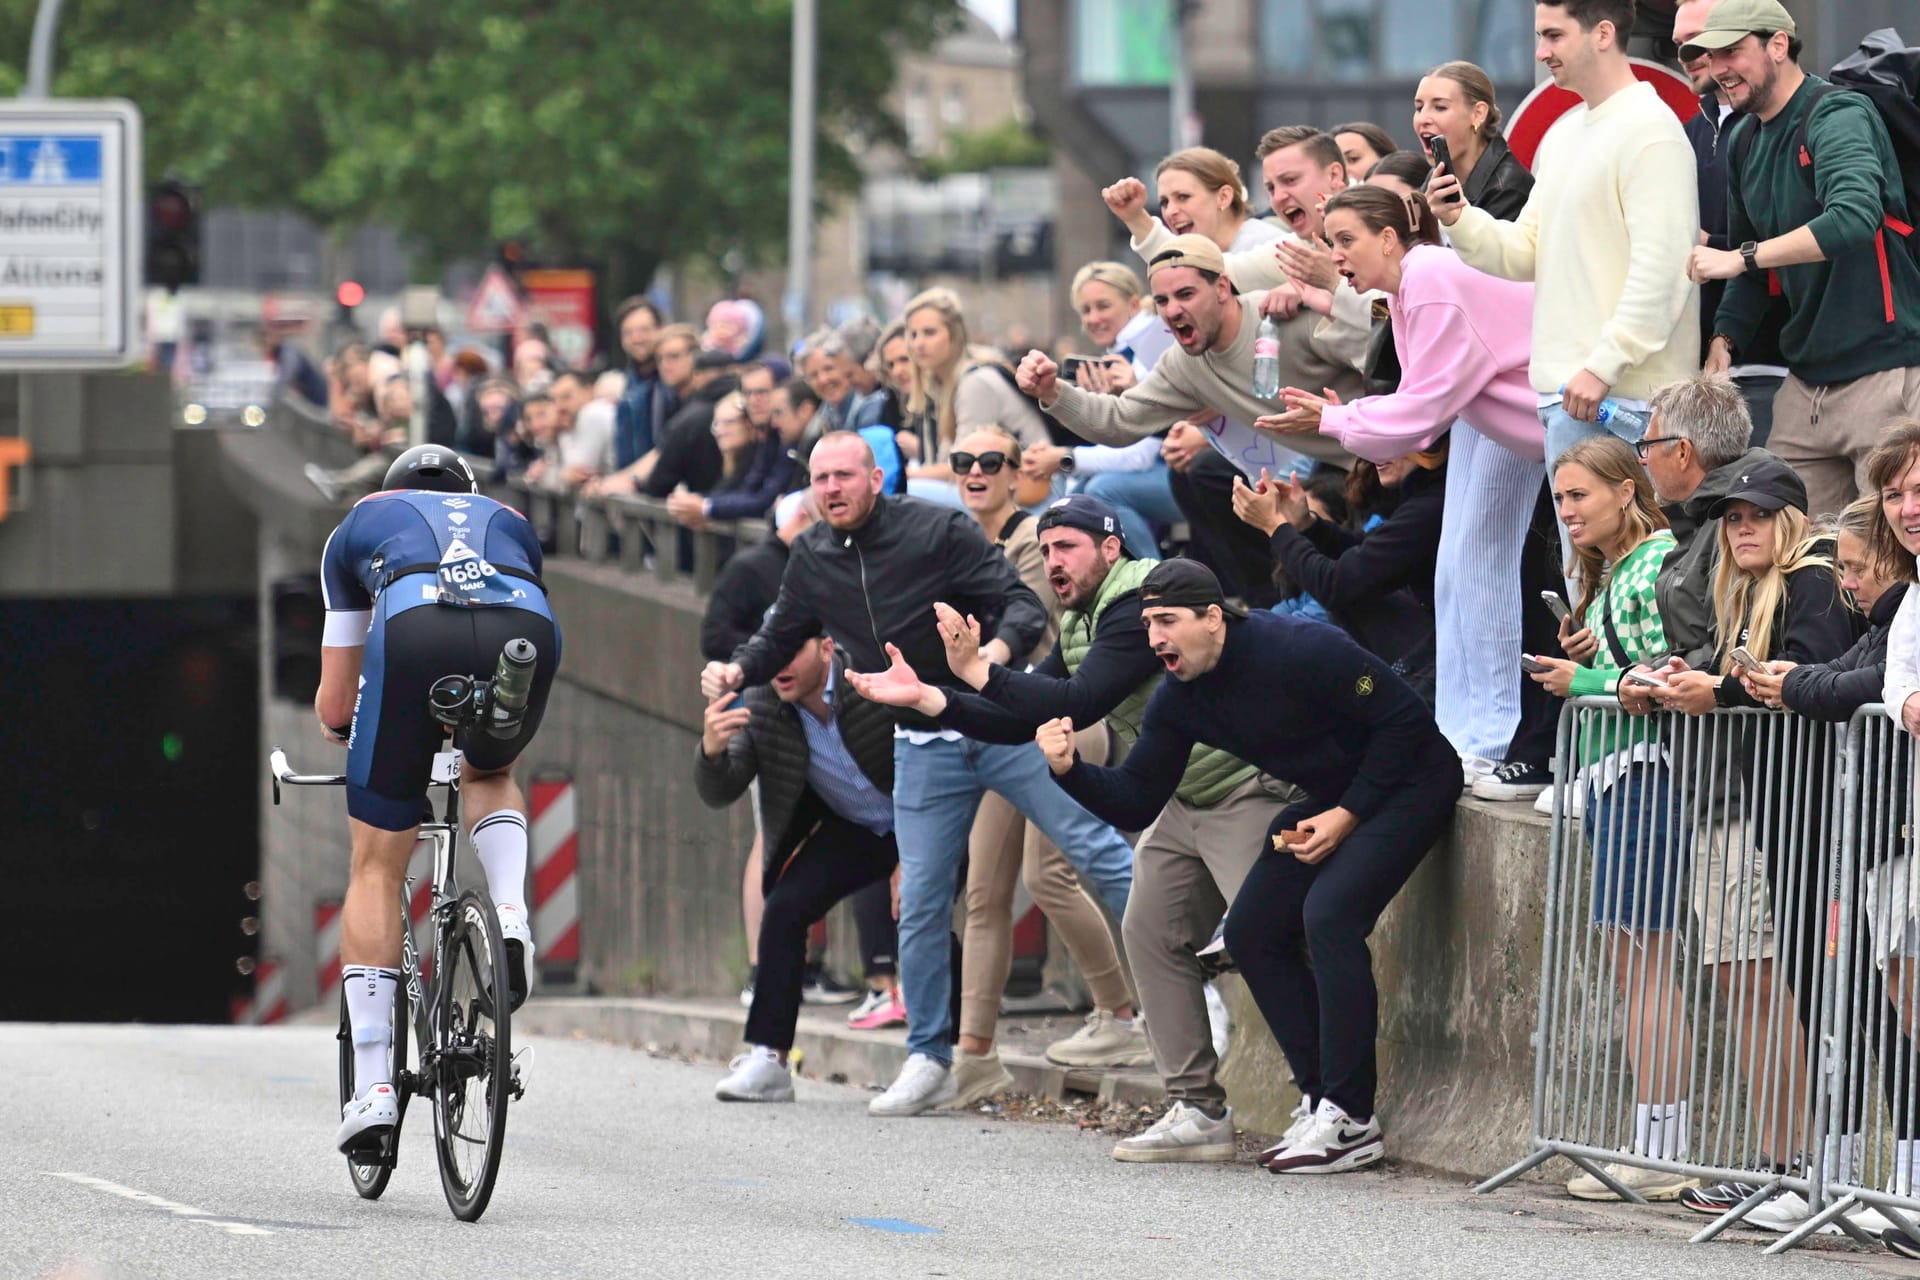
[[1238, 553], [840, 858], [1299, 934], [879, 935], [1540, 570]]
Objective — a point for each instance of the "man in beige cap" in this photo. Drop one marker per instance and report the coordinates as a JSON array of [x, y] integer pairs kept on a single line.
[[1816, 206], [1211, 373]]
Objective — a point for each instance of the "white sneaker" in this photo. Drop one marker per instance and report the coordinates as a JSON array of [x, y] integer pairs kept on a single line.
[[922, 1085], [1334, 1143], [1302, 1121], [758, 1076], [1474, 767], [364, 1121], [1570, 808], [519, 940], [870, 1004], [1105, 1041], [1786, 1210], [1186, 1134], [1652, 1185]]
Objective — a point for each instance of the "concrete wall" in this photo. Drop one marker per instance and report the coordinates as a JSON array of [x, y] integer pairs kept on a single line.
[[1457, 959], [117, 501]]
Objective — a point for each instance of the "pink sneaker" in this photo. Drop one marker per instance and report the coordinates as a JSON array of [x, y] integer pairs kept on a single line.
[[881, 1009]]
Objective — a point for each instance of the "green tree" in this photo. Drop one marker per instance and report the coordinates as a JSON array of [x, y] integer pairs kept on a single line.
[[627, 133]]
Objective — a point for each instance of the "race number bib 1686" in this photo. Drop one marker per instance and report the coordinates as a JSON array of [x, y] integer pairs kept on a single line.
[[467, 579]]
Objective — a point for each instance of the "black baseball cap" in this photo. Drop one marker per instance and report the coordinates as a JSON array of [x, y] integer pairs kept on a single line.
[[1187, 584], [1770, 486], [1087, 513]]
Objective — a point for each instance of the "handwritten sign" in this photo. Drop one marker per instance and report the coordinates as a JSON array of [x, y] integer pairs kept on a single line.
[[1250, 450]]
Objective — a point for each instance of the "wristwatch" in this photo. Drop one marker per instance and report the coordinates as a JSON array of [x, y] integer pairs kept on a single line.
[[1748, 252]]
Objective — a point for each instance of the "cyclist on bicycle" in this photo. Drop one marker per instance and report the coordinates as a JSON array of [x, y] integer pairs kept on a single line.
[[425, 579]]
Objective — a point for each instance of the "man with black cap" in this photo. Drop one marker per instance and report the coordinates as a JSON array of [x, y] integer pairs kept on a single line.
[[1380, 785], [1192, 856], [1818, 208]]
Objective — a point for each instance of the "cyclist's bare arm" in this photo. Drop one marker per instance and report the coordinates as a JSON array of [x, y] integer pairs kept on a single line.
[[342, 646]]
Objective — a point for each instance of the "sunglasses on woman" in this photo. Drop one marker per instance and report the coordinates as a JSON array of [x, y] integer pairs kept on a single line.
[[990, 463]]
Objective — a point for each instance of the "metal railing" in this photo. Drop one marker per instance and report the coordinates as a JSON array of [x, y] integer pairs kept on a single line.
[[625, 530], [636, 533], [1709, 1007]]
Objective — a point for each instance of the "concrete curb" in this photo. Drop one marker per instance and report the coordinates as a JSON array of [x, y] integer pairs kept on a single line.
[[711, 1031]]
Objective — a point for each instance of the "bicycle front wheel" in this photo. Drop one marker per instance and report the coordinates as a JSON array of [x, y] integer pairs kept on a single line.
[[473, 1056]]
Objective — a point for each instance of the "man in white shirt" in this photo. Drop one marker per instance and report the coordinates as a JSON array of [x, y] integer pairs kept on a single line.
[[1613, 214]]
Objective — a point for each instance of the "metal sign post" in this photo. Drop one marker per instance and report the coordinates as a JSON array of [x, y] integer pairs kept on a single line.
[[71, 243]]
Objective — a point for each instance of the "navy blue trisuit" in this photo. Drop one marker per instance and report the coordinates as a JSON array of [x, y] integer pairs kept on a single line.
[[434, 584]]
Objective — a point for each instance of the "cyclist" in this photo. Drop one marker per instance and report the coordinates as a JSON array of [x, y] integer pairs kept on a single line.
[[425, 579]]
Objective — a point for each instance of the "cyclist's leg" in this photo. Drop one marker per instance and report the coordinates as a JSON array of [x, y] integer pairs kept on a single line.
[[494, 803], [389, 759]]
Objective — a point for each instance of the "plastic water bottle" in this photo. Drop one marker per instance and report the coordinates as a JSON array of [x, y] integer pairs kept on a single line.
[[1266, 360], [1623, 422], [512, 686]]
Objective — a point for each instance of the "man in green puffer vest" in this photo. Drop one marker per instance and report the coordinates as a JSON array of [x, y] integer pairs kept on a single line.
[[1189, 864]]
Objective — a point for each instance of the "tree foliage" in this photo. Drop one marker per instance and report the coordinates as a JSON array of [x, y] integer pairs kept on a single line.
[[626, 132]]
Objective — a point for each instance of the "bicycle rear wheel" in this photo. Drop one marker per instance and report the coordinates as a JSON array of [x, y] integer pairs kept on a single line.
[[370, 1177], [472, 1068]]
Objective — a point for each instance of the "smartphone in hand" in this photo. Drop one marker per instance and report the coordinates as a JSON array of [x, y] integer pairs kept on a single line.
[[1070, 368], [1437, 145], [1552, 599], [1743, 658], [1532, 666], [1643, 679]]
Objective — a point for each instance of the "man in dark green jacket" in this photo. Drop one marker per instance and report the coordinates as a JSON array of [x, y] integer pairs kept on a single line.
[[1818, 212]]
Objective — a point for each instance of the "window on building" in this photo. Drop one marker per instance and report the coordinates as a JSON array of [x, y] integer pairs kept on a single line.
[[953, 109], [922, 137], [1123, 42], [1396, 39]]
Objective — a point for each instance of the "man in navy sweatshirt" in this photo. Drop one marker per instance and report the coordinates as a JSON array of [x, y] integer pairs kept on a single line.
[[1380, 781]]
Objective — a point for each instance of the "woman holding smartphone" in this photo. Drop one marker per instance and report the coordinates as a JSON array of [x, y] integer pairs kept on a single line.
[[1458, 122], [1620, 537], [1775, 596]]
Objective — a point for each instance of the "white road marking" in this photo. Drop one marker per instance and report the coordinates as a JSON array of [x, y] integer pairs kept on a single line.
[[186, 1211]]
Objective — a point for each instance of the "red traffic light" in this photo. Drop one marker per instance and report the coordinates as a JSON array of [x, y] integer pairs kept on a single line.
[[349, 294]]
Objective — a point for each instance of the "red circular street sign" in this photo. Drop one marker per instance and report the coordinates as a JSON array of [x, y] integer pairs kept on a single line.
[[1541, 109]]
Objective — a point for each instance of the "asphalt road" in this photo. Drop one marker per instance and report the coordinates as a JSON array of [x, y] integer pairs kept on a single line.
[[138, 1151]]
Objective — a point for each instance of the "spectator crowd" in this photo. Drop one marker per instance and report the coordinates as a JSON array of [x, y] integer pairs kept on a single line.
[[1203, 630]]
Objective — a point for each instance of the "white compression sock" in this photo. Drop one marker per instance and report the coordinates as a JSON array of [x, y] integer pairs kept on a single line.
[[1660, 1129], [500, 840], [370, 1014]]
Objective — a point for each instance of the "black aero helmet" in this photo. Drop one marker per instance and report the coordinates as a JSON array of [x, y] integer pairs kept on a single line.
[[432, 466]]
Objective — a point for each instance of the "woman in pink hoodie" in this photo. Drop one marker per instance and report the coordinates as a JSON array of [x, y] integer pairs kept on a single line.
[[1464, 340]]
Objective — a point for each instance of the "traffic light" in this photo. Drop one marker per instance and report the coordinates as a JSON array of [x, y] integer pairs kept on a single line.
[[348, 295], [299, 620], [173, 234]]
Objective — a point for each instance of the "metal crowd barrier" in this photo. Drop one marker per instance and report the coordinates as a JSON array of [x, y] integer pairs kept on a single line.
[[1709, 1006], [637, 533]]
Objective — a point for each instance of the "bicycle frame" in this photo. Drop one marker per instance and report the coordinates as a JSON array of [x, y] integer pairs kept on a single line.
[[443, 835]]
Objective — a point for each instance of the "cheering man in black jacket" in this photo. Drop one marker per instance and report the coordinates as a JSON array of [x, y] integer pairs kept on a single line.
[[1380, 789], [869, 575]]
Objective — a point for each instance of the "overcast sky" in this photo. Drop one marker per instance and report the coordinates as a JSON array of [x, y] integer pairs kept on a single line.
[[998, 13]]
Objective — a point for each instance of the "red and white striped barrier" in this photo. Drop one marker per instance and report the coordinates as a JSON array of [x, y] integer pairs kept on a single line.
[[553, 840], [326, 947], [269, 1001]]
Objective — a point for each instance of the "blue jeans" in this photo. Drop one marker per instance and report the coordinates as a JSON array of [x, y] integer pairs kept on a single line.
[[936, 790], [1144, 502]]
